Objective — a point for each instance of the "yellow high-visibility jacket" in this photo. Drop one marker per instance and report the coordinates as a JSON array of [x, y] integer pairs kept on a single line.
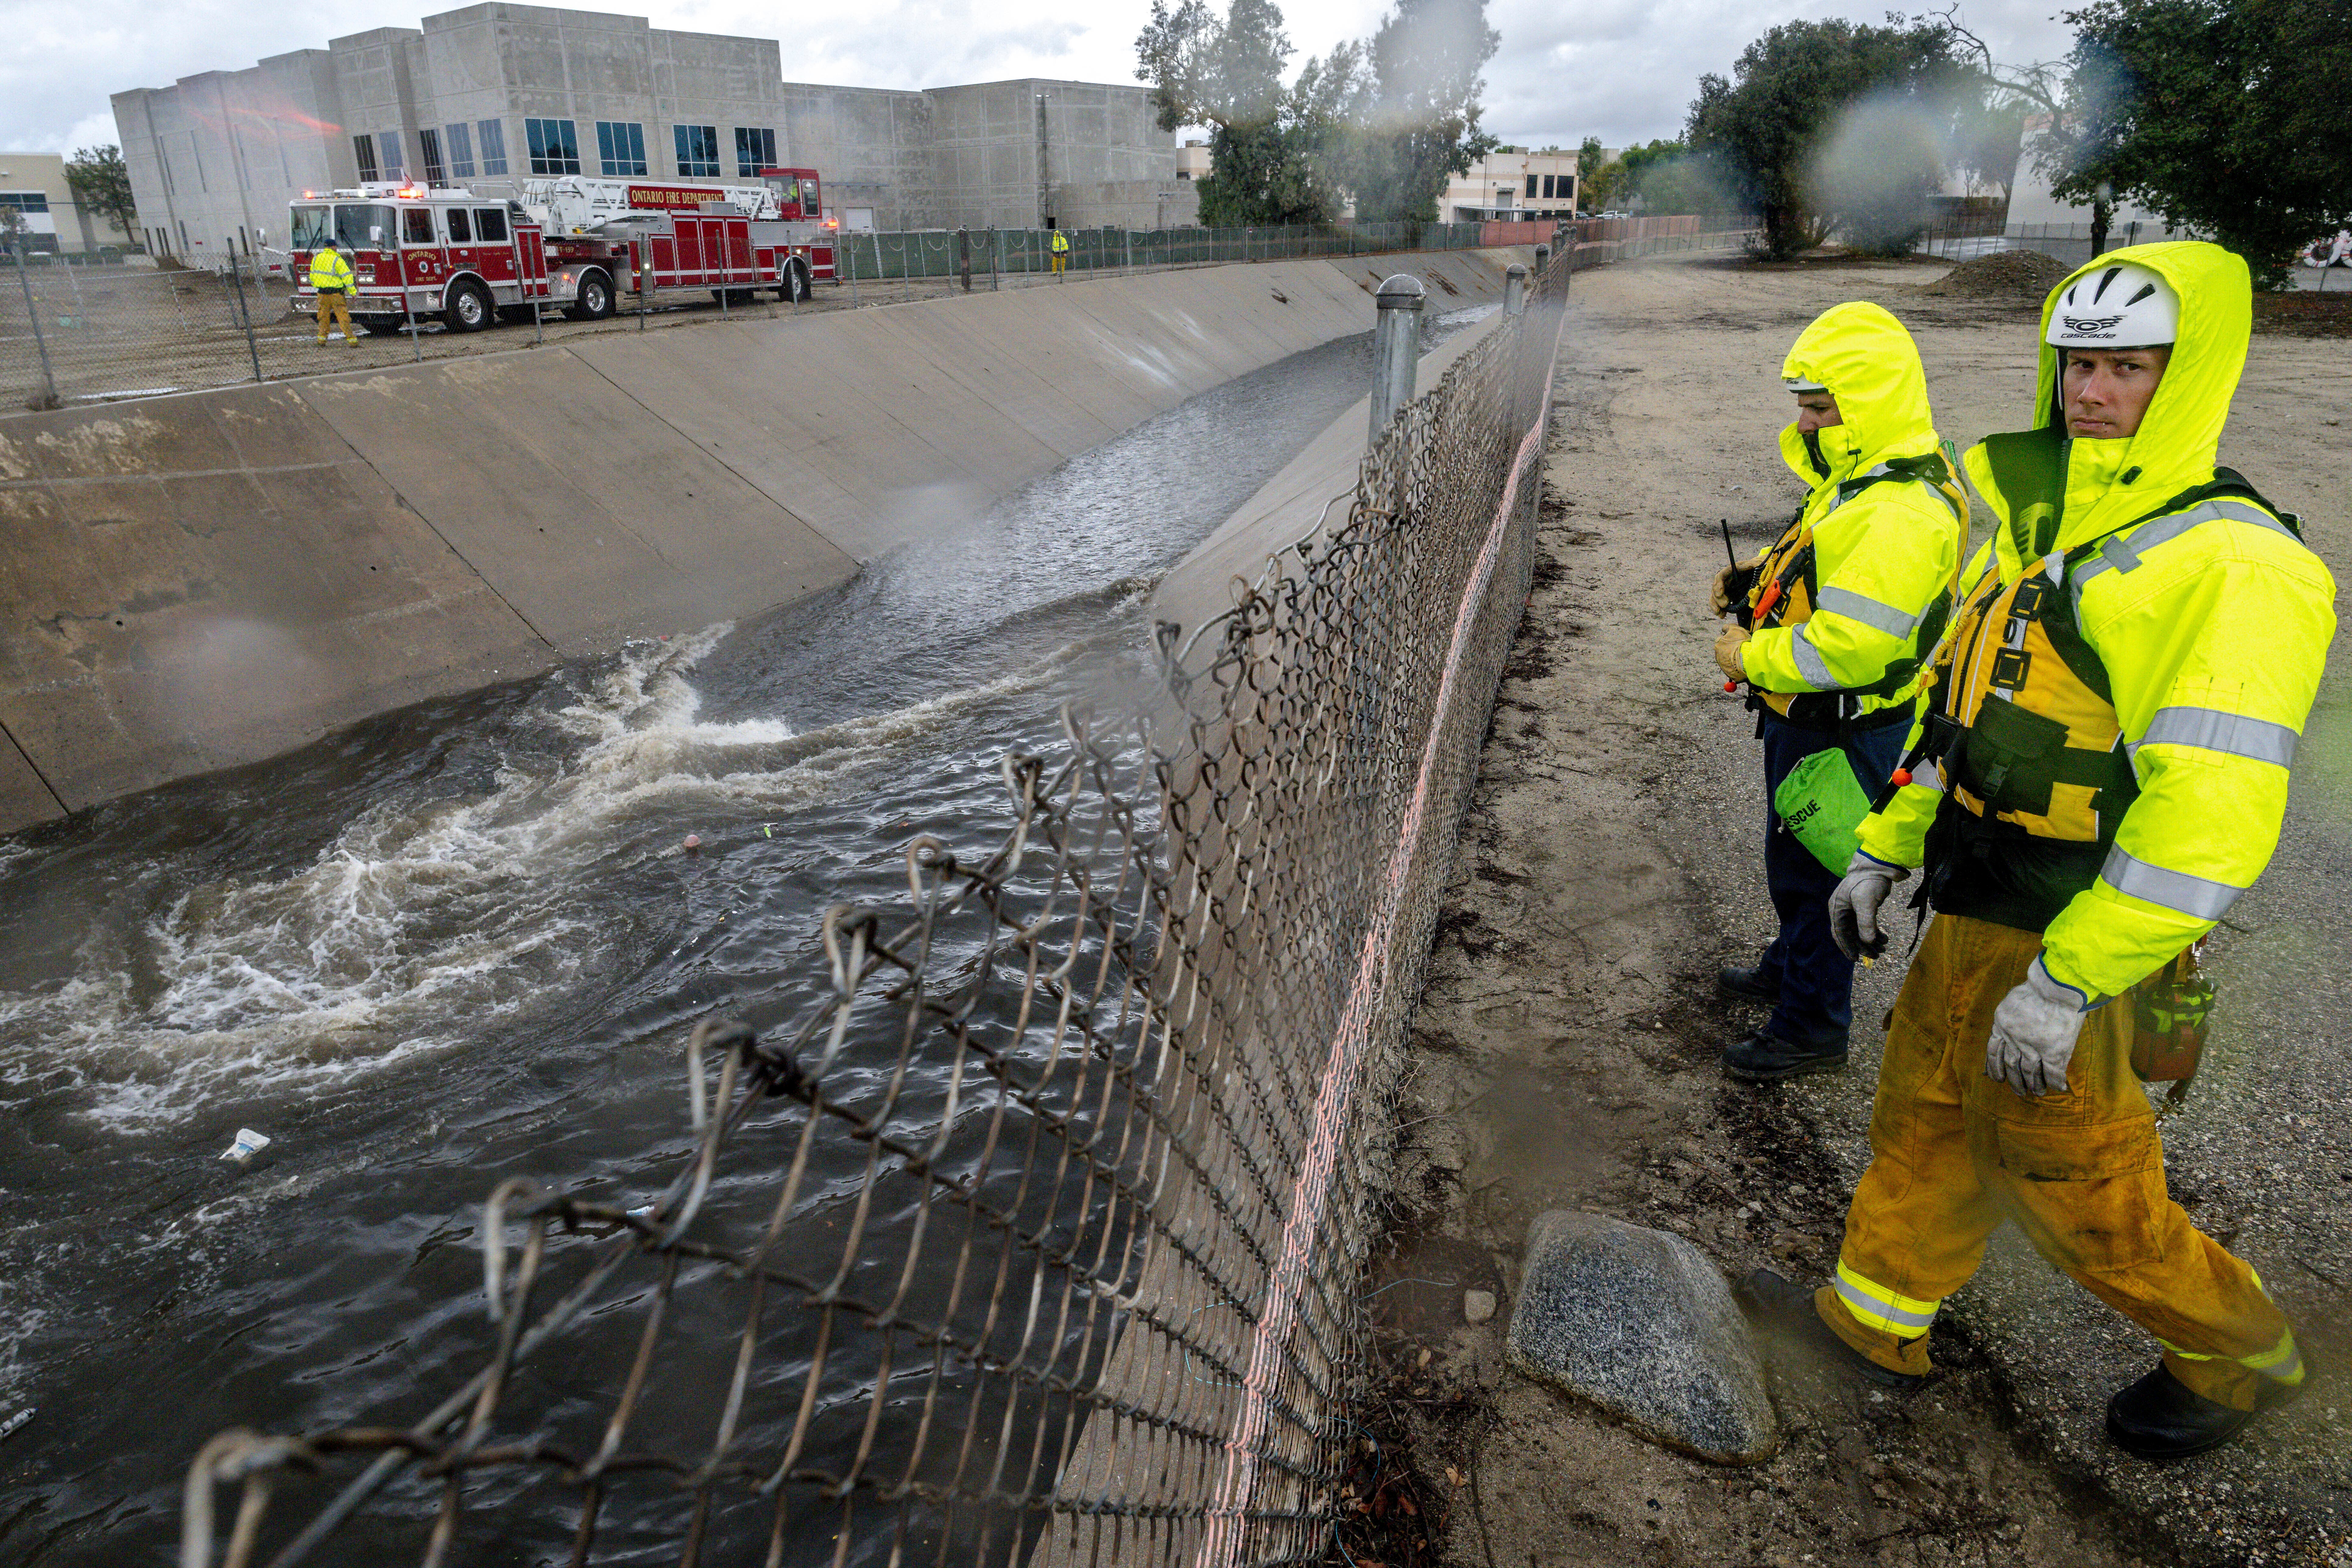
[[2211, 621], [1884, 542], [330, 270], [1061, 242]]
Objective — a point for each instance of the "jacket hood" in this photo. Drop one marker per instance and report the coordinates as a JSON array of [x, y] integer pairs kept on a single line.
[[1872, 367], [2107, 484]]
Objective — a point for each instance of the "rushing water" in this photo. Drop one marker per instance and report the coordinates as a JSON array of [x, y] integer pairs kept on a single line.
[[462, 942]]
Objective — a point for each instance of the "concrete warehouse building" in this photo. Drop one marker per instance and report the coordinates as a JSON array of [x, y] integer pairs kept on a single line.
[[496, 93]]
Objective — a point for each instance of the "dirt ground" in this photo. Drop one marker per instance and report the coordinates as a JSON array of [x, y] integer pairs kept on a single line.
[[1565, 1052]]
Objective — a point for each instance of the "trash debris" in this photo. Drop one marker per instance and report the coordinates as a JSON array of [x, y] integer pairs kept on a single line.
[[694, 843], [8, 1427], [248, 1143]]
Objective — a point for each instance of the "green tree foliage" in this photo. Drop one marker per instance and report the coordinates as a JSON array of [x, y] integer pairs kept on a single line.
[[1225, 72], [1387, 117], [1422, 121], [1773, 129], [1668, 177], [2224, 116], [99, 181], [1598, 177]]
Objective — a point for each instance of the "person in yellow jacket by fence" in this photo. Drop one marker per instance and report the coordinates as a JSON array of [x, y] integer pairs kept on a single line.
[[2100, 774], [1060, 246], [1836, 617], [330, 274]]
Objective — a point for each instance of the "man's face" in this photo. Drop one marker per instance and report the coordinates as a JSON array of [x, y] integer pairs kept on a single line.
[[2106, 391], [1816, 411]]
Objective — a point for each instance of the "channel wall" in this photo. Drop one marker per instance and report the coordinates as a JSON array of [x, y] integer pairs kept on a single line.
[[202, 581]]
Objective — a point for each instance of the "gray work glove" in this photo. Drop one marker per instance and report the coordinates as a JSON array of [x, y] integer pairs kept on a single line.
[[1853, 907], [2033, 1032]]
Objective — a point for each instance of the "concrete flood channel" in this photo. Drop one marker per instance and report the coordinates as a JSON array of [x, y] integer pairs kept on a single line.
[[461, 938]]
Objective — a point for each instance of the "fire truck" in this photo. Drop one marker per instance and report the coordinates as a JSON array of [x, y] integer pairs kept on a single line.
[[582, 246]]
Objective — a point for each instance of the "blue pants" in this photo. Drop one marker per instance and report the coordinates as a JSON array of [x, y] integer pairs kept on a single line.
[[1816, 980]]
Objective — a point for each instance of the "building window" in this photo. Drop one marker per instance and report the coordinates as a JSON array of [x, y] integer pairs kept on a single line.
[[494, 146], [621, 147], [1532, 185], [755, 151], [461, 152], [554, 146], [428, 142], [364, 146], [697, 151], [23, 201], [388, 152]]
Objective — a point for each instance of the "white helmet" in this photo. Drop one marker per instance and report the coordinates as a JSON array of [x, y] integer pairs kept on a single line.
[[1799, 384], [2125, 306]]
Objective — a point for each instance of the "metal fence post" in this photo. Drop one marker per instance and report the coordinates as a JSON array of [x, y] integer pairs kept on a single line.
[[964, 257], [538, 324], [1396, 347], [48, 394], [244, 315], [408, 304], [1515, 289], [994, 244]]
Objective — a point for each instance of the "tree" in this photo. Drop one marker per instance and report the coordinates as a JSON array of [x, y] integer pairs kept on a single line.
[[1792, 90], [1598, 177], [100, 182], [1226, 73], [2218, 115], [1422, 126]]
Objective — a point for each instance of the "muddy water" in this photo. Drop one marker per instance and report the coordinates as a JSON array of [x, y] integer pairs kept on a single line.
[[462, 942]]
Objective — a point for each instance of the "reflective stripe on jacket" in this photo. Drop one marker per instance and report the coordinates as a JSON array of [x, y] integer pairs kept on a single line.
[[1883, 544], [330, 270], [2209, 618]]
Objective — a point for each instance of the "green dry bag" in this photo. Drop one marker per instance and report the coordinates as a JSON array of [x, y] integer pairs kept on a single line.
[[1823, 804]]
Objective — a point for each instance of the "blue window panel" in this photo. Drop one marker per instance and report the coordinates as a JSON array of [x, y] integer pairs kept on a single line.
[[697, 151], [494, 146]]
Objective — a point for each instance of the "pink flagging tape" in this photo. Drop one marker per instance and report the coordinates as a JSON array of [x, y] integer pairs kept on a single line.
[[1220, 1545]]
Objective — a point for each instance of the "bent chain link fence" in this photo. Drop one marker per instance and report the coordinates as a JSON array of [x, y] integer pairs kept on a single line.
[[1038, 1239]]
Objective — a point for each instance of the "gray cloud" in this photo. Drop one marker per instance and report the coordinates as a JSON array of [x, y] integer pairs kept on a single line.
[[1620, 69]]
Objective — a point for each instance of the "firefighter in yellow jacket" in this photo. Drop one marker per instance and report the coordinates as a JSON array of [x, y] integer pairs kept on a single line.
[[1061, 247], [1835, 619], [2100, 772], [330, 276]]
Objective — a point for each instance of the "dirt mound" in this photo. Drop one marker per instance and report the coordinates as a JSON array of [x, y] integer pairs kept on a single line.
[[2020, 275], [2306, 314]]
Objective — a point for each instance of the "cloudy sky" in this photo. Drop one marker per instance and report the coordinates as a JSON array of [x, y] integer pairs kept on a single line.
[[1620, 69]]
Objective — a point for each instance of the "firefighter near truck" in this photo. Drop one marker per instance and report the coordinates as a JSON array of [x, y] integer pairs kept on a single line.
[[421, 253]]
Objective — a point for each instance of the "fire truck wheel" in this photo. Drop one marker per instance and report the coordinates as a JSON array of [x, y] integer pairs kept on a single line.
[[596, 300], [469, 309], [795, 286]]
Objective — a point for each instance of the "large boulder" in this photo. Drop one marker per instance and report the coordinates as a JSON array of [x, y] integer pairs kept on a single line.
[[1638, 1321]]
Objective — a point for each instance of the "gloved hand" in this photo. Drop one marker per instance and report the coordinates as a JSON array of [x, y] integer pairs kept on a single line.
[[2033, 1032], [1731, 585], [1727, 651], [1854, 907]]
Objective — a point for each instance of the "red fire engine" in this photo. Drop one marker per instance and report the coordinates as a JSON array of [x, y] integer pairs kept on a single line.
[[583, 245]]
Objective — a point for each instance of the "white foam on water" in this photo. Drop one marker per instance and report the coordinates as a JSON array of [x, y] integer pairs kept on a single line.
[[420, 922]]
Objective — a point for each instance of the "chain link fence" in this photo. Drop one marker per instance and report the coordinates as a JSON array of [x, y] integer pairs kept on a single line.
[[995, 255], [120, 330], [1038, 1237]]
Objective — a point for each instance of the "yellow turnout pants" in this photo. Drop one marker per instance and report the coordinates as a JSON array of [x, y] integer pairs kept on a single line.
[[339, 307], [1953, 1153]]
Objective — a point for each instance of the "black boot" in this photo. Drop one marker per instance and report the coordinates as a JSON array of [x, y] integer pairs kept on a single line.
[[2161, 1417], [1764, 1057], [1748, 985], [1788, 1307]]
